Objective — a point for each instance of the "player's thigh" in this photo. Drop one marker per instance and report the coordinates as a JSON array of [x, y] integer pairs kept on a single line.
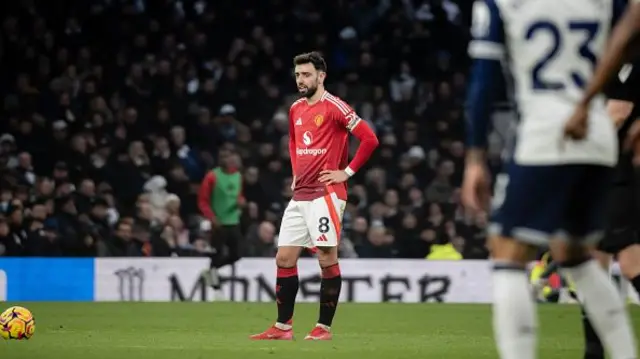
[[588, 193], [529, 202], [621, 215], [293, 227], [324, 220]]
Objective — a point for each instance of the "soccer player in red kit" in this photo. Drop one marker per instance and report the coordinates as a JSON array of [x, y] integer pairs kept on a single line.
[[319, 127]]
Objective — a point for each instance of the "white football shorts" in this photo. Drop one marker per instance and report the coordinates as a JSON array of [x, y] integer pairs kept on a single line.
[[315, 223]]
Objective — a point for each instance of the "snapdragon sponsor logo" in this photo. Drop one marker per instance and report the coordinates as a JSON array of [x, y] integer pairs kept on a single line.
[[311, 151]]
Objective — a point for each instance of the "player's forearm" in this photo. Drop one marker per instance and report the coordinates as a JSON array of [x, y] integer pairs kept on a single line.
[[620, 41], [368, 143], [480, 97]]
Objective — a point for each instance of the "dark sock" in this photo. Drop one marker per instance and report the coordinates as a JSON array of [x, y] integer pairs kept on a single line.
[[329, 293], [635, 282], [286, 291], [593, 346]]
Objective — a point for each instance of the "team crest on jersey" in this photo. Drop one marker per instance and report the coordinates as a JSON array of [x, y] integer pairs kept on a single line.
[[318, 120]]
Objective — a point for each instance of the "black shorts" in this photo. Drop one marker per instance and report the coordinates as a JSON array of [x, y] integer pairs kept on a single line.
[[622, 215]]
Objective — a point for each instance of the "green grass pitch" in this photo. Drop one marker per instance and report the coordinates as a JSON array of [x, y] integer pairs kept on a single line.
[[220, 330]]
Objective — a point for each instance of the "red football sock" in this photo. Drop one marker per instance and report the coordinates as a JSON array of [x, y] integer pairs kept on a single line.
[[286, 291], [329, 293]]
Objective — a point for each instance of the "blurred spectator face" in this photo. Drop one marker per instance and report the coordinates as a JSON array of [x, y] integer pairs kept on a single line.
[[121, 133], [89, 87], [142, 199], [377, 236], [434, 210], [123, 231], [275, 166], [308, 79], [60, 134], [178, 136], [177, 173], [64, 189], [457, 149], [161, 146], [163, 115], [391, 198], [26, 127], [39, 212], [6, 195], [409, 221], [7, 145], [22, 194], [60, 172], [253, 210], [4, 228], [458, 243], [204, 117], [428, 235], [447, 168], [251, 175], [70, 207], [444, 91], [24, 160], [266, 150], [266, 232], [50, 206], [360, 191], [79, 144], [99, 211], [88, 188], [16, 215], [136, 150], [360, 225], [145, 212], [415, 195], [130, 116], [97, 121]]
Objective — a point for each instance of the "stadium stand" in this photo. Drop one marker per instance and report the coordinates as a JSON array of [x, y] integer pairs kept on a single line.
[[114, 110]]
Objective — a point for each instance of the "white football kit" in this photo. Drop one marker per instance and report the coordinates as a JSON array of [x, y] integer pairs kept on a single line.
[[552, 186]]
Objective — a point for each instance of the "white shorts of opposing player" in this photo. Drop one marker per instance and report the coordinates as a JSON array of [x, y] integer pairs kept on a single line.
[[314, 223]]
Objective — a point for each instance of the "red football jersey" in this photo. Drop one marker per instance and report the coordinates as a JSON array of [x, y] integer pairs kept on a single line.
[[319, 140]]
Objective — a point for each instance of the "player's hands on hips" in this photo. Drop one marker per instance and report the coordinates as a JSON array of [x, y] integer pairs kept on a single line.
[[475, 187], [330, 177], [578, 124]]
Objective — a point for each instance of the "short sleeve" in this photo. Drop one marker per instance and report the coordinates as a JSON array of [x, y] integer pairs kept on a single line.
[[487, 31]]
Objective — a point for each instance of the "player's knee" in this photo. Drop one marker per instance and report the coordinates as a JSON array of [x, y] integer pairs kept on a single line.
[[508, 250], [287, 257], [327, 256], [568, 253], [629, 260]]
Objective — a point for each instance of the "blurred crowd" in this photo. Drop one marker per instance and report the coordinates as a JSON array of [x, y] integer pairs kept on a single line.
[[115, 110]]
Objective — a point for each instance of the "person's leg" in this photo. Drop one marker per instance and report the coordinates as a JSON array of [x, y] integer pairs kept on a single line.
[[584, 222], [593, 348], [324, 220], [514, 310], [293, 237]]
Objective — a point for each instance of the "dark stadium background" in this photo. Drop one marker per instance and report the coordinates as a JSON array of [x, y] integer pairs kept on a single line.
[[111, 106]]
